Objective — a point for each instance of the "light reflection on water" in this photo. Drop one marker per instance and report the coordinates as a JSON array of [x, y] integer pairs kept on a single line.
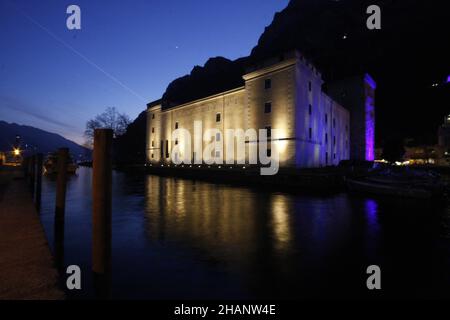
[[175, 238]]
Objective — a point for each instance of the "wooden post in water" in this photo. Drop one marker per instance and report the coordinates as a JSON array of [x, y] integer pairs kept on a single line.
[[39, 163], [101, 202], [25, 167], [61, 181], [32, 172], [60, 207]]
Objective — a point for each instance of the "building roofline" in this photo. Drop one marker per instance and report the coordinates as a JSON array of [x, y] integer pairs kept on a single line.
[[275, 67], [153, 103], [207, 98]]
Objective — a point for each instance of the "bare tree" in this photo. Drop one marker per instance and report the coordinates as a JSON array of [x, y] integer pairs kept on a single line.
[[110, 119]]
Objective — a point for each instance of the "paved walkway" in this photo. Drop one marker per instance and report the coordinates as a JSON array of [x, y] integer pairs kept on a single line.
[[26, 264]]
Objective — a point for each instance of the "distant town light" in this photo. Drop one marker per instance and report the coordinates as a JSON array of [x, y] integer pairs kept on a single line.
[[16, 151]]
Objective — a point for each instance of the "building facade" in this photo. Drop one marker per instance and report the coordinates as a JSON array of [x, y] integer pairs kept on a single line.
[[312, 130], [357, 94]]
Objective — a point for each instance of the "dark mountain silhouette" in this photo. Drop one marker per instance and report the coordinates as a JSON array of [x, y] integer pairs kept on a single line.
[[405, 57], [37, 139], [217, 75]]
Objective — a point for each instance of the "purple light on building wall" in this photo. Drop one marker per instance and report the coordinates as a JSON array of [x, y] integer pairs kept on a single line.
[[370, 120], [448, 79], [370, 132]]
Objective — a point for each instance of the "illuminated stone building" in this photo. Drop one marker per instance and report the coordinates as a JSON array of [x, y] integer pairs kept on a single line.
[[285, 94]]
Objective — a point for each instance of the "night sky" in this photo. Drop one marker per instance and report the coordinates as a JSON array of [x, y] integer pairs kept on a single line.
[[125, 55]]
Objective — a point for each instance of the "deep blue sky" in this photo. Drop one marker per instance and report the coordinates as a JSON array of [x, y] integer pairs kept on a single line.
[[125, 55]]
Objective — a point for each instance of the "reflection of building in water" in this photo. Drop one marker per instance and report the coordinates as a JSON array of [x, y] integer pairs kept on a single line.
[[280, 221], [222, 223], [284, 94], [269, 243]]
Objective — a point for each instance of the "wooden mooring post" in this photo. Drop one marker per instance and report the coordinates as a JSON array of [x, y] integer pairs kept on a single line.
[[32, 172], [101, 208], [61, 182], [25, 167], [101, 200], [60, 206], [39, 164]]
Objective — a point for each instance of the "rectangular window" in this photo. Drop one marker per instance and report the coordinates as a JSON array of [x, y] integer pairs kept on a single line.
[[326, 138], [218, 136], [268, 107], [267, 84], [176, 141], [153, 116], [326, 118], [153, 130], [217, 154], [310, 109], [269, 131], [176, 125], [152, 155], [269, 152], [310, 133], [217, 117], [162, 149], [334, 156], [153, 143], [326, 157], [334, 122], [334, 140], [309, 86]]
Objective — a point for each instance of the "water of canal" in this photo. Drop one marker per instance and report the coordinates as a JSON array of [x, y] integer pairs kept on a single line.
[[185, 239]]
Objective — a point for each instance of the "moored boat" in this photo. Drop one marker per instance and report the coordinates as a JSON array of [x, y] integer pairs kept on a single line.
[[400, 183], [400, 190]]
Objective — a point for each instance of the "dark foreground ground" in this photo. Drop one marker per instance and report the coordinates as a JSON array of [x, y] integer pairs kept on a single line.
[[26, 265]]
